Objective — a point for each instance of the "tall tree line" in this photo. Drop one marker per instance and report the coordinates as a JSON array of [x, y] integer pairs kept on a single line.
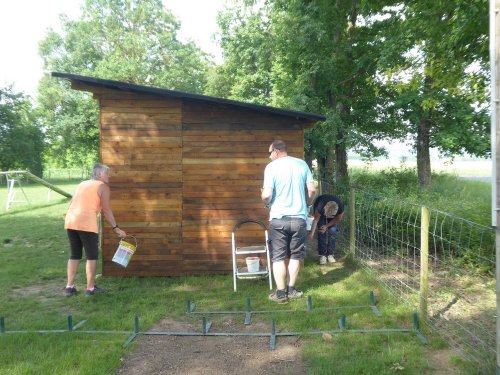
[[410, 70], [414, 71]]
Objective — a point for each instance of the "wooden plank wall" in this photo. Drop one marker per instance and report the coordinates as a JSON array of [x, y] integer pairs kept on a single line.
[[183, 173], [225, 151], [141, 140]]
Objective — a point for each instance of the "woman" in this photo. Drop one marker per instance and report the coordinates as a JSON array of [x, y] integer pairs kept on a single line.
[[90, 198]]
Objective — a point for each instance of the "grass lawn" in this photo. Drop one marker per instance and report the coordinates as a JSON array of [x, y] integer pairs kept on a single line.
[[33, 255]]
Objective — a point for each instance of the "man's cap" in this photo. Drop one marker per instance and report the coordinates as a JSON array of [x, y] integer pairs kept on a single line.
[[331, 209]]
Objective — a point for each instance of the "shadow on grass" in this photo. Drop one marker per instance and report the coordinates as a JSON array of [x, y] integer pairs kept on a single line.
[[32, 207]]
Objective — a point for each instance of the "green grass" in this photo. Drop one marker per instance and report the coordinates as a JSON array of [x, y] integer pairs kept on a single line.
[[33, 255], [448, 193]]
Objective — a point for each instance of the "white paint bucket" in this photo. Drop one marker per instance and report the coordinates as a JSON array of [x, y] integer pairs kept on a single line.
[[252, 264], [124, 252]]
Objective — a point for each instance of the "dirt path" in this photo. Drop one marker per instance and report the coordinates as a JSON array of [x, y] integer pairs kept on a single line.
[[176, 355]]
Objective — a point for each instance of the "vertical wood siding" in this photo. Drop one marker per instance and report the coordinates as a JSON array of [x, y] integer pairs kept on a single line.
[[182, 174]]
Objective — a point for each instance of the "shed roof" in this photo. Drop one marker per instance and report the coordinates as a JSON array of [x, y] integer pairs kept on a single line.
[[139, 89]]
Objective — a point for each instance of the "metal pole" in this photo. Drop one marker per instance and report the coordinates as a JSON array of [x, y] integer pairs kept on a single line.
[[495, 137], [424, 262]]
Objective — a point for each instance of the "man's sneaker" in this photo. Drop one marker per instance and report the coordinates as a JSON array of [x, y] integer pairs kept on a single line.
[[70, 291], [278, 297], [96, 290], [331, 259], [322, 259], [294, 293]]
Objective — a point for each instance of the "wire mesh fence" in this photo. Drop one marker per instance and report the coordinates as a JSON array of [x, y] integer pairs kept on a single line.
[[450, 278]]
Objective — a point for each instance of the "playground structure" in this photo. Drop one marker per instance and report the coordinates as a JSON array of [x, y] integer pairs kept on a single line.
[[14, 178]]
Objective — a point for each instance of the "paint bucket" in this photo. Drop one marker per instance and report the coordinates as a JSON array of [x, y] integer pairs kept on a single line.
[[252, 264], [309, 222], [124, 252]]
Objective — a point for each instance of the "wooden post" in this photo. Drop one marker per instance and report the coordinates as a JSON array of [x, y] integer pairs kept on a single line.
[[352, 223], [424, 262], [47, 184]]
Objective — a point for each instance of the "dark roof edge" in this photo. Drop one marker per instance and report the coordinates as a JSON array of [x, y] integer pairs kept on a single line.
[[184, 95]]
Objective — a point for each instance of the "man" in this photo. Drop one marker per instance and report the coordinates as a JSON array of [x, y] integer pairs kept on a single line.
[[328, 212], [81, 225], [285, 181]]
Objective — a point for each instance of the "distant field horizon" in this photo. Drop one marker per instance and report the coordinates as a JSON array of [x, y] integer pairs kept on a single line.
[[458, 167]]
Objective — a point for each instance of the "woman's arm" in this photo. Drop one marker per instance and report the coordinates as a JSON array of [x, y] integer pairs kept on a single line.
[[105, 195]]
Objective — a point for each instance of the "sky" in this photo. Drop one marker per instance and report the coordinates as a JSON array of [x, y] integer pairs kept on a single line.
[[23, 23]]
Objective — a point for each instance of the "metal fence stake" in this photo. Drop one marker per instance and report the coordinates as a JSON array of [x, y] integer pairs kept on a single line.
[[272, 341]]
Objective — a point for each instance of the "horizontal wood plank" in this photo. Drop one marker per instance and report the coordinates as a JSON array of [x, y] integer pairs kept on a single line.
[[107, 102]]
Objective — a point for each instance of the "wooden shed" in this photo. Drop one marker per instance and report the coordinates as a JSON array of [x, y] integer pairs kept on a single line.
[[184, 169]]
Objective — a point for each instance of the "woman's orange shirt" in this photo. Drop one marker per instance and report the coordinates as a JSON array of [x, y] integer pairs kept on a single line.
[[84, 207]]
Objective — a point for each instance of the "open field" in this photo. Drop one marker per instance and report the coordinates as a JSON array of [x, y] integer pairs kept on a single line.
[[458, 167]]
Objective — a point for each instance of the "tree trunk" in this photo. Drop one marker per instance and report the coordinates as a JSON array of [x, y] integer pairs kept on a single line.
[[423, 141], [330, 167], [423, 155], [341, 172], [308, 157]]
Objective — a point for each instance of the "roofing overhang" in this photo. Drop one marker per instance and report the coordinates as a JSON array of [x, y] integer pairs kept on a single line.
[[155, 91]]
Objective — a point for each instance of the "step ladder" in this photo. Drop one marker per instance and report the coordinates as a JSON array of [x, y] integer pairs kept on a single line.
[[264, 270]]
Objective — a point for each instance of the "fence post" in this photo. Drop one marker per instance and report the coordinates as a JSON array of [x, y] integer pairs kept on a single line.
[[424, 262], [352, 223]]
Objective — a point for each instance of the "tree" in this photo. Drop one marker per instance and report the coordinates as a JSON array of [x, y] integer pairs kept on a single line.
[[247, 43], [21, 140], [378, 69], [133, 41], [327, 61], [440, 90]]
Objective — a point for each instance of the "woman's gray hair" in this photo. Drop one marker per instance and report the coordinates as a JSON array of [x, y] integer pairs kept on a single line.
[[98, 169]]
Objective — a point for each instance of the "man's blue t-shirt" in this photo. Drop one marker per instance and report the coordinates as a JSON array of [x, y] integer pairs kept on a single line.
[[288, 176]]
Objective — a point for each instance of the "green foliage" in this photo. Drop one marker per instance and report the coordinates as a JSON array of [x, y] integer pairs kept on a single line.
[[21, 138], [71, 119], [377, 69], [440, 90], [247, 43], [132, 41]]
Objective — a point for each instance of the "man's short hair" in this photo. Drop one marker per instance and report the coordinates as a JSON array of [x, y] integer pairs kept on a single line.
[[278, 144], [331, 209]]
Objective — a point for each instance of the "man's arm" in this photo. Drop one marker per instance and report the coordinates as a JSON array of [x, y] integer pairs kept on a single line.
[[317, 216], [266, 195], [311, 193], [337, 219]]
